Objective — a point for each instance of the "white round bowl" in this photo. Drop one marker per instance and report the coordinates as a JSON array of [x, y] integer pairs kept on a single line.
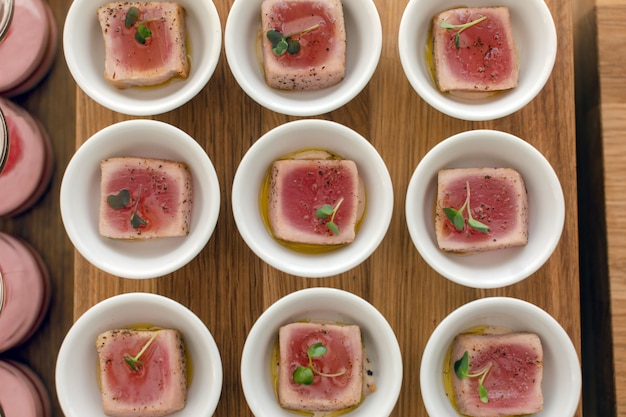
[[562, 379], [535, 38], [76, 366], [363, 48], [80, 199], [321, 304], [83, 48], [546, 208], [300, 135]]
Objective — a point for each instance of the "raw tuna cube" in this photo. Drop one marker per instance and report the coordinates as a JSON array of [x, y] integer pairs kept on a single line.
[[498, 199], [129, 62], [485, 58], [158, 198], [321, 60], [343, 359], [513, 380], [157, 386], [299, 187]]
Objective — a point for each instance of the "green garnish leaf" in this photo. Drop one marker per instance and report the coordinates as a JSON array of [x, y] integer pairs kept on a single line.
[[274, 36], [460, 28], [303, 375], [133, 361], [136, 221], [142, 33], [461, 366], [475, 224], [120, 200], [323, 212], [333, 227], [131, 17], [286, 43], [293, 46], [316, 350], [461, 369], [326, 211], [456, 216]]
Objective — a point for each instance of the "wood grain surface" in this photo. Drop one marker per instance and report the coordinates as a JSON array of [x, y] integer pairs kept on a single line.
[[228, 287], [611, 64]]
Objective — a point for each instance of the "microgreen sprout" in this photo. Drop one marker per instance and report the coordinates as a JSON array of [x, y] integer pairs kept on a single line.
[[304, 375], [460, 28], [133, 361], [329, 211], [456, 216], [461, 369], [121, 200], [285, 43], [142, 33]]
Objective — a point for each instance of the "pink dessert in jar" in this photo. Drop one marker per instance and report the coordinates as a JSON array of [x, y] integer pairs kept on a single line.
[[29, 163], [29, 46], [25, 395], [24, 291]]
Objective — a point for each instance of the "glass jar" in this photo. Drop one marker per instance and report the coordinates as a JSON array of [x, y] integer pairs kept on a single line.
[[28, 163], [29, 44], [22, 392], [24, 291]]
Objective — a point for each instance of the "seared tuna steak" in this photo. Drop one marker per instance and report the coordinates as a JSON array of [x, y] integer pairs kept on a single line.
[[479, 58], [338, 373], [132, 60], [497, 199], [154, 386], [317, 27], [142, 198], [513, 364], [299, 188]]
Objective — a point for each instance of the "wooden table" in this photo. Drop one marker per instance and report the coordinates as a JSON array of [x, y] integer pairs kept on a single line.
[[228, 287]]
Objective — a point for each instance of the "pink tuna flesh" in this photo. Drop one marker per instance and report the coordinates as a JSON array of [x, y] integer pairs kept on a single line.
[[299, 187], [513, 382], [498, 199], [344, 355], [163, 56], [486, 59], [158, 387]]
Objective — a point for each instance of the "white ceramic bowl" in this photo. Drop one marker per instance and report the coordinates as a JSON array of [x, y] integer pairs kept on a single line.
[[292, 137], [363, 48], [321, 304], [75, 374], [546, 208], [80, 199], [83, 47], [536, 42], [561, 368]]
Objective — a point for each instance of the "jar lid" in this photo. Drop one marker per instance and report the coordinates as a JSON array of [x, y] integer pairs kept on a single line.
[[18, 396], [4, 140], [6, 14]]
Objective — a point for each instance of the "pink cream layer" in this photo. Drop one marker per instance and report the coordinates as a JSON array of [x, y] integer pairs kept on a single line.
[[29, 166], [24, 47], [24, 284]]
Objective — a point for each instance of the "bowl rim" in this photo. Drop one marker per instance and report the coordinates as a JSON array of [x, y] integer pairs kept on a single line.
[[448, 328], [467, 110], [280, 313], [149, 107], [203, 230], [308, 265], [281, 103], [99, 310], [427, 168]]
